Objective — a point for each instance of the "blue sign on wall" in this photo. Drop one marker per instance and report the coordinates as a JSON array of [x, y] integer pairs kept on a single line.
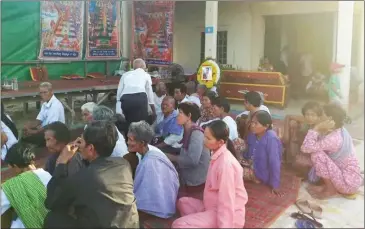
[[209, 29]]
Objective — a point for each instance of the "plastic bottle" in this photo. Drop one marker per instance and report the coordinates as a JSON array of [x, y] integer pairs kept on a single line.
[[15, 84]]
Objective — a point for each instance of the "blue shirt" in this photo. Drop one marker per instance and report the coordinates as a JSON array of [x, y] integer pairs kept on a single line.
[[266, 156], [156, 184], [51, 111]]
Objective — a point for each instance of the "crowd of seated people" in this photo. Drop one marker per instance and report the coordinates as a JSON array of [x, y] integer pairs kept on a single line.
[[104, 178]]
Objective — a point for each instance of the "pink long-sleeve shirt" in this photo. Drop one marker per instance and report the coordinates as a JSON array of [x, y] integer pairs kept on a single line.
[[224, 189]]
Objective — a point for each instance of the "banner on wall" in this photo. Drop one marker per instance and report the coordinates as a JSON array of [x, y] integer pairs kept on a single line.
[[62, 30], [153, 23], [103, 30]]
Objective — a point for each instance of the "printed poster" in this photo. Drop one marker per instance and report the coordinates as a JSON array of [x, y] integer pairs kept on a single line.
[[62, 30], [103, 38], [153, 31]]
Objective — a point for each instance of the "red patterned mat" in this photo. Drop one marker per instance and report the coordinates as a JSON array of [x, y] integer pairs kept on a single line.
[[262, 209]]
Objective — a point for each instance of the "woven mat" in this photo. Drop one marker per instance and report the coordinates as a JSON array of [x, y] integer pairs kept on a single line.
[[262, 208]]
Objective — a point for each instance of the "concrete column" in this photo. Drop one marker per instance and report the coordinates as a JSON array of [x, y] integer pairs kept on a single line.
[[126, 29], [360, 57], [211, 26], [344, 45]]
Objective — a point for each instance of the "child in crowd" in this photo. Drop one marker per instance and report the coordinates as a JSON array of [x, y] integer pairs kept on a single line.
[[225, 196], [262, 161], [295, 129]]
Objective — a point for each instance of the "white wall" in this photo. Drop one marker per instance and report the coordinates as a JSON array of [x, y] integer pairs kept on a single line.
[[245, 33]]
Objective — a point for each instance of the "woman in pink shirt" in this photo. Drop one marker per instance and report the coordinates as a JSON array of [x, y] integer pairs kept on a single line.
[[225, 196]]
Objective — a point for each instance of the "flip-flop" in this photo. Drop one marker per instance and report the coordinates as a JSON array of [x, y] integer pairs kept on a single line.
[[302, 223], [302, 216], [310, 208], [350, 197]]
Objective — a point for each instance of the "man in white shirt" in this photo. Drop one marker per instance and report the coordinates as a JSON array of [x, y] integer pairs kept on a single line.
[[135, 93], [52, 110], [158, 96], [253, 102], [180, 94]]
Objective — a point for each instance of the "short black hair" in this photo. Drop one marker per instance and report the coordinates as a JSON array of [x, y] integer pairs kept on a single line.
[[21, 155], [102, 135], [210, 94], [313, 106], [60, 131], [337, 113], [254, 98], [221, 102], [182, 88], [190, 108]]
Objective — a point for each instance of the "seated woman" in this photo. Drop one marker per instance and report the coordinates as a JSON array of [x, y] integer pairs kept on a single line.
[[295, 129], [57, 136], [193, 160], [156, 182], [25, 193], [262, 161], [206, 110], [332, 155], [169, 132], [9, 133], [225, 196], [221, 110], [265, 65]]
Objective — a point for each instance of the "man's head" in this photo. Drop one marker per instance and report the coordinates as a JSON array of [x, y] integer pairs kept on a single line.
[[103, 113], [45, 91], [57, 136], [140, 135], [139, 63], [220, 106], [253, 100], [180, 92], [87, 111], [190, 88], [161, 89], [202, 89], [98, 140], [168, 105]]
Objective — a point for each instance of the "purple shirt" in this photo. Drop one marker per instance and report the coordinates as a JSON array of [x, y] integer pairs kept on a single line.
[[156, 184], [266, 155]]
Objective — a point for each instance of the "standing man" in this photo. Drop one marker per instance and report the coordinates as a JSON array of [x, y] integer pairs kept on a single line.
[[135, 93], [51, 111]]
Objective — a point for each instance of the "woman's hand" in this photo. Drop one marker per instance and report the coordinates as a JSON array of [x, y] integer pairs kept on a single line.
[[277, 192], [324, 126]]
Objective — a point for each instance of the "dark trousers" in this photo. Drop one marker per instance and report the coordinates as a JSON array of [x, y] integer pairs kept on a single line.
[[36, 139], [134, 107], [59, 220]]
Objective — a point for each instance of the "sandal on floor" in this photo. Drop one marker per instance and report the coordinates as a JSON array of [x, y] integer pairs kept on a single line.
[[310, 208], [302, 223], [301, 216]]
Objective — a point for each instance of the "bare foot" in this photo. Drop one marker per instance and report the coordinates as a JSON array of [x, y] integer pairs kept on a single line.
[[325, 194], [314, 189]]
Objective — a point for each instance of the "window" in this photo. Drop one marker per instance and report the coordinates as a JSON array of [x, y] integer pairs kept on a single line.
[[221, 47]]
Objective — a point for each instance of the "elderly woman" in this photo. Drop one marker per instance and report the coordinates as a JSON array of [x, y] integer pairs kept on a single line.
[[87, 111], [332, 155], [25, 193], [168, 129], [193, 160], [156, 182]]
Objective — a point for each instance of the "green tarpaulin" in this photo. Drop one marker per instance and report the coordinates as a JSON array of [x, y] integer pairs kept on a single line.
[[20, 42]]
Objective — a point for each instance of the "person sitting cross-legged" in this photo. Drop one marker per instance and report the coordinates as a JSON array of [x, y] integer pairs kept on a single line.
[[168, 130], [25, 193], [156, 181], [51, 111], [99, 196]]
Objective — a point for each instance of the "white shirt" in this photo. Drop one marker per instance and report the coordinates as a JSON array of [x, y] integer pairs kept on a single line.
[[132, 82], [173, 140], [232, 126], [11, 139], [194, 99], [261, 108], [51, 111], [44, 176]]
